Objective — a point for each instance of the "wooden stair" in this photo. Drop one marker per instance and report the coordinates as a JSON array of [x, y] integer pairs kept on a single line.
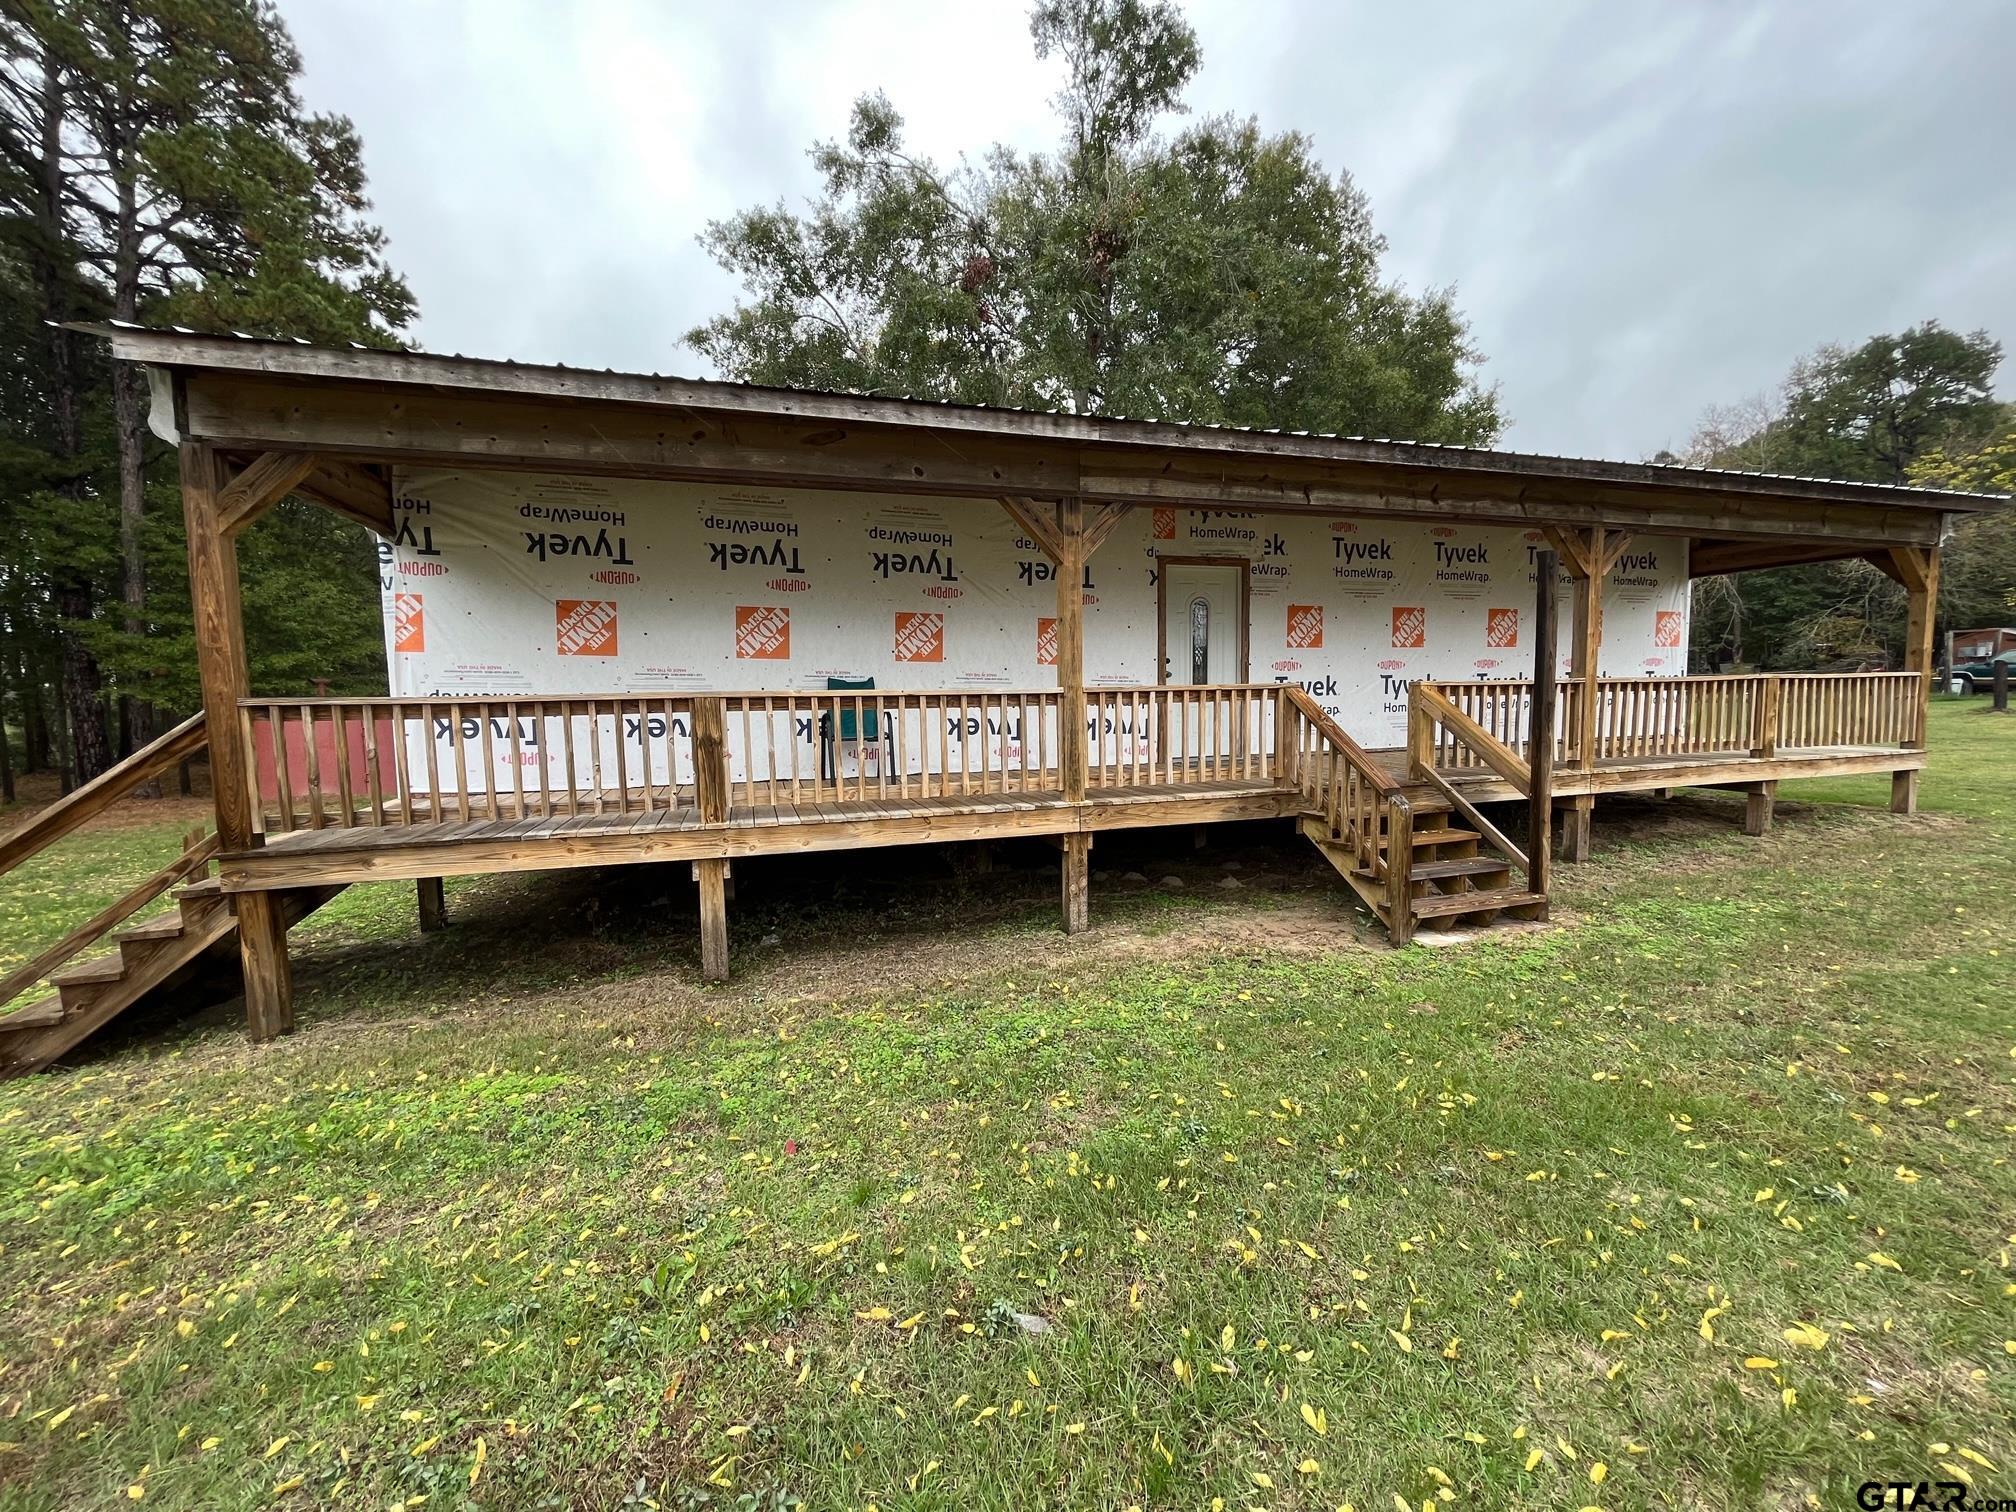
[[1453, 877], [161, 953]]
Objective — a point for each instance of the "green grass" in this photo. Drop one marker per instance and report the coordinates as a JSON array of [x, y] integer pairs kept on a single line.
[[522, 1203]]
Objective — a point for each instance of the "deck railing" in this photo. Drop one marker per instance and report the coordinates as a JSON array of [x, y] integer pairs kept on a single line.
[[377, 762], [1654, 718]]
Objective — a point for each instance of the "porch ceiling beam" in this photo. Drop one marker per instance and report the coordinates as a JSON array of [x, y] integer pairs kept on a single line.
[[356, 492], [245, 412], [1715, 558], [1911, 568]]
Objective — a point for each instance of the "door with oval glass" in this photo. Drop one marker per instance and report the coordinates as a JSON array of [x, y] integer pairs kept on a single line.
[[1203, 612]]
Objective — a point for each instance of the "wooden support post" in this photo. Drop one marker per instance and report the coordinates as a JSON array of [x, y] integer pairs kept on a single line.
[[1589, 555], [1904, 792], [1071, 732], [1077, 852], [221, 668], [1399, 870], [1540, 732], [1770, 700], [1576, 826], [433, 900], [1917, 568], [1757, 808], [713, 879]]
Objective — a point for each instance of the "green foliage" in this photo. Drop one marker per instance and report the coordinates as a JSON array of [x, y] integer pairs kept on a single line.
[[193, 189], [1913, 408], [1222, 277]]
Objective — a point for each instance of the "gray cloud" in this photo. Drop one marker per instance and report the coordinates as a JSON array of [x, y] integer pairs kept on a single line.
[[1645, 208]]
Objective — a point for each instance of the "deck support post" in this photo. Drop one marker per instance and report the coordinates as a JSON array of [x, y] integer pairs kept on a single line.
[[1071, 730], [1757, 807], [433, 902], [1904, 792], [1576, 827], [712, 876], [1540, 731], [1589, 556], [1077, 851], [222, 670]]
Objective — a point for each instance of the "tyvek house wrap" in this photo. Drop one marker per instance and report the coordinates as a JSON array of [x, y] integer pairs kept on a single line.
[[516, 583]]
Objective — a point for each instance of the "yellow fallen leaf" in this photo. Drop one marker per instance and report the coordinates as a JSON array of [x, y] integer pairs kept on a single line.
[[1807, 1335], [1876, 1257], [1760, 1362], [1598, 1473], [1533, 1457], [1406, 1344]]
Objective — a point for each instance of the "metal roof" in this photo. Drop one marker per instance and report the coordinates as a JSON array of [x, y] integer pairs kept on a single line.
[[178, 346]]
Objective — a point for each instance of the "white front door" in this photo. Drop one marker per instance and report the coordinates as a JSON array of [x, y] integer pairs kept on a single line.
[[1201, 633]]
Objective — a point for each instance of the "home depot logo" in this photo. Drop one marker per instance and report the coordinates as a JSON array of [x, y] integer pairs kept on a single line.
[[1501, 629], [1305, 627], [762, 633], [1046, 642], [1410, 628], [584, 627], [409, 624], [1165, 524], [920, 637], [1666, 628]]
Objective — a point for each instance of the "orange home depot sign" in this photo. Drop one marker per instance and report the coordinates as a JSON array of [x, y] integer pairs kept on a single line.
[[409, 623], [1666, 628], [1410, 628], [1501, 628], [584, 627], [1305, 627], [920, 637], [762, 633], [1165, 524], [1046, 642]]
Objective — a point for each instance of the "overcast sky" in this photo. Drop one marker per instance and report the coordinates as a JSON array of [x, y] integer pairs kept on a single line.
[[1645, 208]]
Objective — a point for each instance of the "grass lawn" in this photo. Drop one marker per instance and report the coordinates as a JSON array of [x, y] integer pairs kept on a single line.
[[1699, 1197]]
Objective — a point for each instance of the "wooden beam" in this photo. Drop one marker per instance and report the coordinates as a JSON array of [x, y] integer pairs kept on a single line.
[[259, 485], [433, 901], [1618, 542], [1586, 642], [1757, 807], [355, 492], [1911, 567], [1102, 525], [1569, 543], [712, 875], [81, 805], [221, 668], [1715, 558], [1028, 515]]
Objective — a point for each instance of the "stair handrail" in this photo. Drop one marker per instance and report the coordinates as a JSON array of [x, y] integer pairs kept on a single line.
[[1357, 827], [1428, 706], [78, 807], [198, 850]]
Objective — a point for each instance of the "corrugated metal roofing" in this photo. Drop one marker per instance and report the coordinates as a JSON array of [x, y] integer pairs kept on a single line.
[[1429, 449]]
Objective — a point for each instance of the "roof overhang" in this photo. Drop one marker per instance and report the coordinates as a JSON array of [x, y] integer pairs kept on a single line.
[[246, 396]]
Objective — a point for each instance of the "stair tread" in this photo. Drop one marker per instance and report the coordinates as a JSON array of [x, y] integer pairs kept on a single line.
[[1444, 836], [106, 968], [48, 1010], [1460, 866], [209, 887], [1478, 901], [167, 927]]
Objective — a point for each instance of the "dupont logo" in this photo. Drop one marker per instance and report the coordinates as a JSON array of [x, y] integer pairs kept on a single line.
[[1501, 629], [1666, 628], [615, 577], [1305, 627], [1535, 537], [787, 585], [1287, 666], [762, 633], [944, 592], [920, 637], [409, 624], [1444, 532], [1410, 628], [1392, 664], [1485, 663], [584, 627], [1651, 662], [1343, 527], [423, 569], [1046, 642], [1165, 524]]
